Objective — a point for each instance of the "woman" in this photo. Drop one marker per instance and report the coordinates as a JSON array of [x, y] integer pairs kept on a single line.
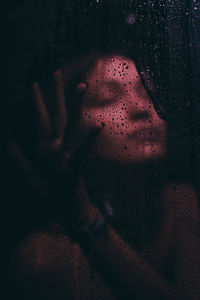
[[149, 246]]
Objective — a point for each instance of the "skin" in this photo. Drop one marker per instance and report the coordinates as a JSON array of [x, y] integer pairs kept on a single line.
[[133, 132]]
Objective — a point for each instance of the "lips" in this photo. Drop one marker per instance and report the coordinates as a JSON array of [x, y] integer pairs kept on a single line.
[[146, 134]]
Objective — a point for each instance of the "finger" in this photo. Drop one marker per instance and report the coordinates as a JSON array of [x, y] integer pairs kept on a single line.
[[60, 119], [74, 76], [74, 107], [87, 211], [82, 87], [77, 71], [42, 121], [26, 169], [83, 200], [77, 99]]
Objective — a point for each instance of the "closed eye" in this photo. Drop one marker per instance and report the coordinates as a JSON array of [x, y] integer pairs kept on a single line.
[[109, 92], [100, 101]]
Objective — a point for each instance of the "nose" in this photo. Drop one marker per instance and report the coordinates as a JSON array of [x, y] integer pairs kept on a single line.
[[140, 110]]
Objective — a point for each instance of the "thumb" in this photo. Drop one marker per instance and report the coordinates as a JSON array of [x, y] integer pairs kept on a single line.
[[87, 211]]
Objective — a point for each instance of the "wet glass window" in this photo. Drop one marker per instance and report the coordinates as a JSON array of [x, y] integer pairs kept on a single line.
[[101, 149]]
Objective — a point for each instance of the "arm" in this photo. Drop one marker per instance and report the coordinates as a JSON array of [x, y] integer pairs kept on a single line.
[[41, 266]]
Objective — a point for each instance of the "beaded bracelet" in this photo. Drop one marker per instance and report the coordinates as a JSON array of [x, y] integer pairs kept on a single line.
[[88, 232], [86, 235]]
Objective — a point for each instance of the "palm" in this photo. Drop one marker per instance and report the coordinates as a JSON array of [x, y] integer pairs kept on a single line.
[[56, 167]]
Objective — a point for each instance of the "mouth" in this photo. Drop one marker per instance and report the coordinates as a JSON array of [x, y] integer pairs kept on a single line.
[[146, 135]]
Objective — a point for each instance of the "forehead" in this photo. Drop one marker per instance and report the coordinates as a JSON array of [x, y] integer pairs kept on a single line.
[[114, 68]]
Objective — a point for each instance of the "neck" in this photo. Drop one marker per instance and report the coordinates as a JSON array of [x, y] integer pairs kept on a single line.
[[111, 178], [122, 184]]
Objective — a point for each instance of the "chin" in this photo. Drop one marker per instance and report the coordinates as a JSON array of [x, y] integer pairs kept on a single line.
[[145, 155], [133, 160]]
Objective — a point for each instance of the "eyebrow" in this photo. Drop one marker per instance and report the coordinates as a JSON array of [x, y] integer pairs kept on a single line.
[[113, 81], [138, 85]]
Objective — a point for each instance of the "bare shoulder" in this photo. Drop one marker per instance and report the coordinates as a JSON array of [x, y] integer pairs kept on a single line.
[[48, 265], [37, 252], [180, 210], [181, 197], [182, 203], [44, 265]]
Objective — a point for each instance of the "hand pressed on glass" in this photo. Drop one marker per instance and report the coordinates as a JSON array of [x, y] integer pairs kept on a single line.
[[53, 171]]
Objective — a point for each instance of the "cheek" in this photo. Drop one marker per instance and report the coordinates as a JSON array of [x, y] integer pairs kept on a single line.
[[92, 117], [113, 117]]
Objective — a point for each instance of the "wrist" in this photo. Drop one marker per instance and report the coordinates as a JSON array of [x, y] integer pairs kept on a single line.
[[95, 225]]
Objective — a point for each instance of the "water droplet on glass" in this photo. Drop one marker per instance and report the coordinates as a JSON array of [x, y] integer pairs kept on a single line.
[[131, 19]]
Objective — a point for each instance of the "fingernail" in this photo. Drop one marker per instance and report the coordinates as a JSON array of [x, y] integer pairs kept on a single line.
[[82, 87], [58, 74]]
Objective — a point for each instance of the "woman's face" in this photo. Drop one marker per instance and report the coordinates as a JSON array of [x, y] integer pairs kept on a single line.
[[133, 132]]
